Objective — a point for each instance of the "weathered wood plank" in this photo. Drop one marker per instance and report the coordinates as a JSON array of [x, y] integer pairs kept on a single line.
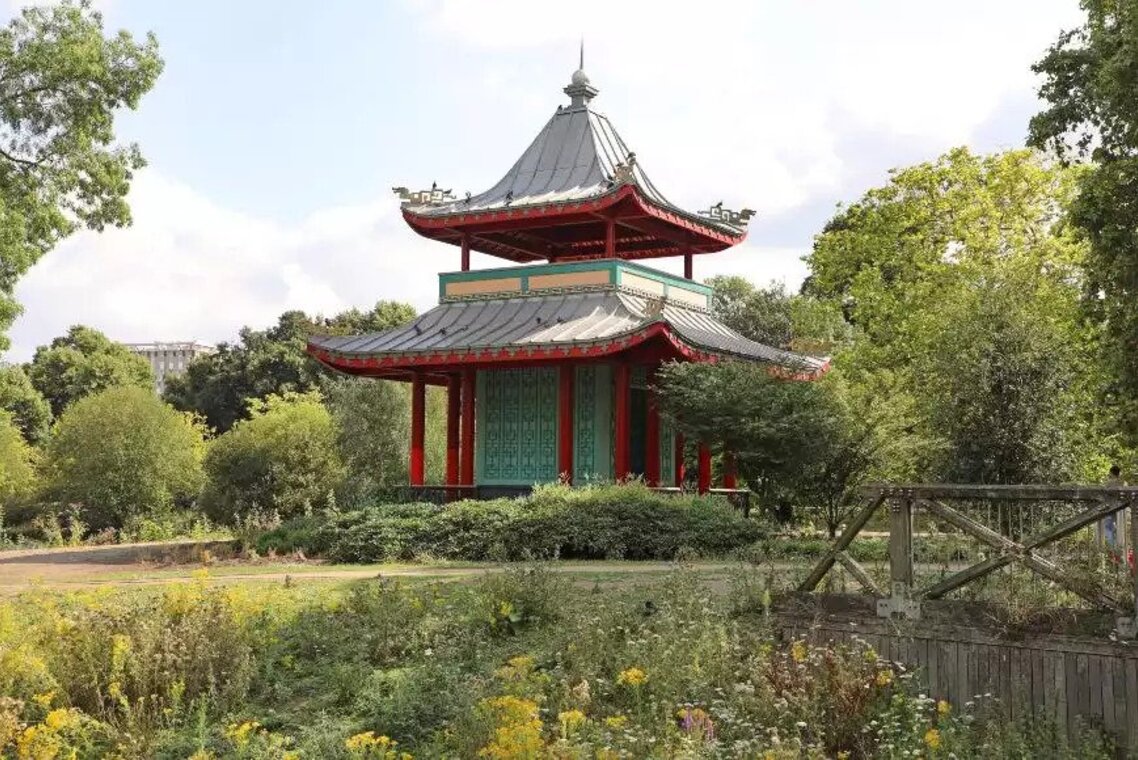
[[1082, 686], [1131, 667], [852, 529], [1000, 492], [858, 572], [1096, 687]]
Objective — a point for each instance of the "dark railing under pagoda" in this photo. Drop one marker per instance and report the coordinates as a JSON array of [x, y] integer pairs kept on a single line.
[[1014, 523]]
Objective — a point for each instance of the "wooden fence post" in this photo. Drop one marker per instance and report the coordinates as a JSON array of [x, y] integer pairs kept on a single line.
[[900, 601], [1128, 627]]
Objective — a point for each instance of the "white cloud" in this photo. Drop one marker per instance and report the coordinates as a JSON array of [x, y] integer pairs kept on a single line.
[[188, 269]]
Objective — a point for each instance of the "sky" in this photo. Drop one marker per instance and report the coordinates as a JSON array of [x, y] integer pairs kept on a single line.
[[278, 128]]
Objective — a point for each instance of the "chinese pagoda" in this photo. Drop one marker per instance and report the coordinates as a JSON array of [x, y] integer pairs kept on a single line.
[[548, 363]]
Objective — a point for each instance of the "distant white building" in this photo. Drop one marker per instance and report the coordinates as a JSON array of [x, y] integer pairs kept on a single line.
[[167, 359]]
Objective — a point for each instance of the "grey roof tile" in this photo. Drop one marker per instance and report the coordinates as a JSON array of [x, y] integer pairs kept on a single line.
[[557, 319]]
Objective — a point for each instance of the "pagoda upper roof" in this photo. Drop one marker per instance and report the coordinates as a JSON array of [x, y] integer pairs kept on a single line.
[[554, 202]]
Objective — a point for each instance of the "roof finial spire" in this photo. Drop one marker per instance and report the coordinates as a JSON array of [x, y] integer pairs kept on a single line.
[[579, 90]]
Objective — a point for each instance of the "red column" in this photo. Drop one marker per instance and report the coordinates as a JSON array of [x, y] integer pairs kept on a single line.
[[652, 442], [454, 390], [704, 467], [465, 252], [467, 447], [679, 466], [729, 479], [418, 426], [687, 266], [620, 410], [610, 238], [565, 422]]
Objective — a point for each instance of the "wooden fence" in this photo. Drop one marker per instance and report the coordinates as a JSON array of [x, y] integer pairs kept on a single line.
[[1072, 682], [1017, 535]]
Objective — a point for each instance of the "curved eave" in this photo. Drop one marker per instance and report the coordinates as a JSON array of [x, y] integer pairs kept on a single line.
[[705, 237], [395, 364]]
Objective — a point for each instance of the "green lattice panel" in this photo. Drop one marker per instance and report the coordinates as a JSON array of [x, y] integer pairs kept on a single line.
[[667, 452], [592, 414], [517, 426]]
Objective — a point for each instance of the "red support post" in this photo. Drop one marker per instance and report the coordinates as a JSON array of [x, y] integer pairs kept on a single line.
[[704, 467], [567, 375], [687, 266], [679, 467], [418, 427], [729, 478], [467, 445], [454, 405], [610, 238], [465, 252], [622, 429], [652, 442]]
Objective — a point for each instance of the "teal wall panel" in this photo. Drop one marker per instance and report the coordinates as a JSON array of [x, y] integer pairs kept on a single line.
[[667, 452], [593, 414], [516, 432]]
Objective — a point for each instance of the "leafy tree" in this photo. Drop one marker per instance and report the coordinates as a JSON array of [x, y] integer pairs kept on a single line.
[[774, 428], [122, 454], [372, 432], [762, 314], [1090, 77], [61, 82], [84, 362], [17, 464], [29, 409], [777, 318], [962, 279], [283, 458], [871, 435], [266, 362]]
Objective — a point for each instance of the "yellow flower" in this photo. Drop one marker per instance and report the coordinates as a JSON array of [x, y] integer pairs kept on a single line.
[[201, 754], [240, 733], [616, 721], [521, 662], [844, 755], [570, 719], [932, 739], [59, 719], [44, 700], [943, 708], [798, 651], [884, 677], [632, 677], [871, 655]]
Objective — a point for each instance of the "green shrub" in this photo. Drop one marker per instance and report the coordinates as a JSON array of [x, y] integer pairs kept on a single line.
[[596, 522], [17, 464], [282, 459], [123, 454]]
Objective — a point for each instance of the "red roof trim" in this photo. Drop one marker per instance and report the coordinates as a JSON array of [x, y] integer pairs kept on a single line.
[[443, 227]]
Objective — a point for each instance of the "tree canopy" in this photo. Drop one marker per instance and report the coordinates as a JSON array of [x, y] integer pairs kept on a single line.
[[29, 409], [17, 465], [1090, 77], [282, 459], [82, 362], [123, 454], [61, 82], [267, 362], [962, 279]]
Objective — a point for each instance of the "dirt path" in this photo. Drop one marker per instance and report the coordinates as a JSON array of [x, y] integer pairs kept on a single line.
[[149, 564]]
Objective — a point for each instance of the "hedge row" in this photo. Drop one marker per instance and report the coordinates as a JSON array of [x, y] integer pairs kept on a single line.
[[599, 522]]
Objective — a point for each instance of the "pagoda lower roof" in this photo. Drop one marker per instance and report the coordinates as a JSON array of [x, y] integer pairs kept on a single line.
[[539, 328]]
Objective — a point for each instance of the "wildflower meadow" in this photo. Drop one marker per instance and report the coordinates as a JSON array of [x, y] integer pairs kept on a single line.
[[518, 664]]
